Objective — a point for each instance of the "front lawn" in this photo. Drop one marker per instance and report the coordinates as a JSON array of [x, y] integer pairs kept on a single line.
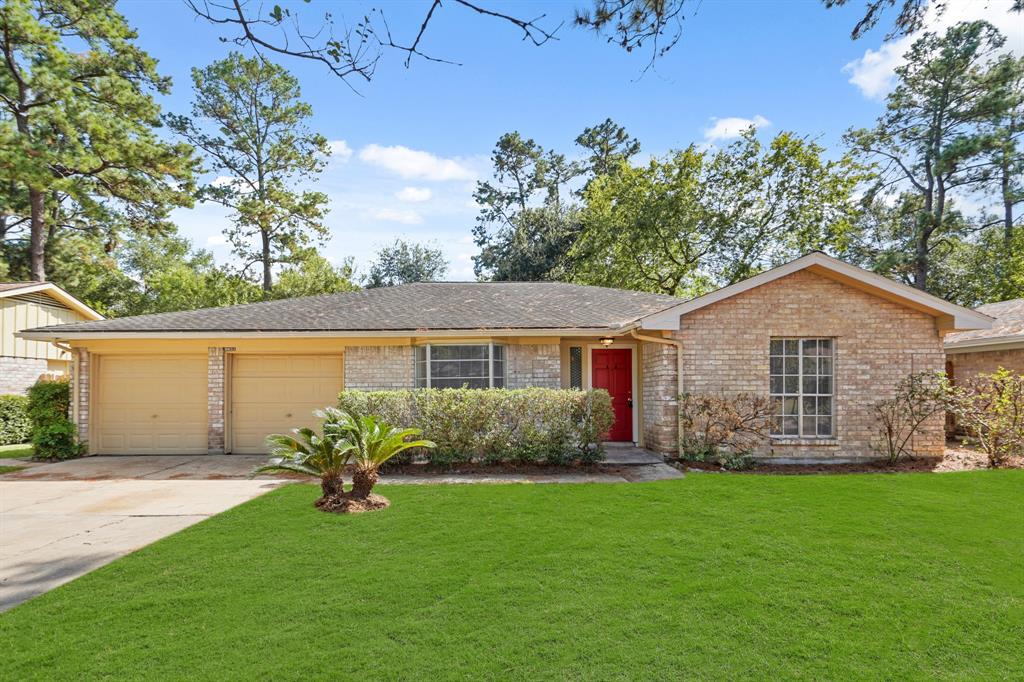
[[713, 576], [22, 451]]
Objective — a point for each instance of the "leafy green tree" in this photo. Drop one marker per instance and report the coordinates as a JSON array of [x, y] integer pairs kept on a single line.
[[526, 213], [908, 19], [534, 247], [930, 141], [249, 121], [404, 263], [698, 219], [78, 125], [608, 145], [312, 276], [1006, 176], [171, 275]]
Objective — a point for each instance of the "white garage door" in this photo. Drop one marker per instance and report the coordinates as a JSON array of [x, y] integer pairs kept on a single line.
[[277, 393], [150, 405]]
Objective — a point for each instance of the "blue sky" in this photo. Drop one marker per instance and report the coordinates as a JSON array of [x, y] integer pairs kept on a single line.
[[412, 142]]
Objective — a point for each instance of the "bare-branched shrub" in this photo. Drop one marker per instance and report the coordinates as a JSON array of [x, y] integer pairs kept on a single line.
[[918, 398], [723, 428], [991, 408]]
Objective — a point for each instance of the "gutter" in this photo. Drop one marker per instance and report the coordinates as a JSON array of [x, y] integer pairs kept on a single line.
[[56, 335], [679, 370], [987, 343]]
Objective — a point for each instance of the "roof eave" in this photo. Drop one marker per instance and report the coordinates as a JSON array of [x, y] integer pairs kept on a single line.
[[39, 335], [1009, 341]]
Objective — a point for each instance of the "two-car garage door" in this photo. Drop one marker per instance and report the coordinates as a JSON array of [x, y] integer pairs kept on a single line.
[[154, 405]]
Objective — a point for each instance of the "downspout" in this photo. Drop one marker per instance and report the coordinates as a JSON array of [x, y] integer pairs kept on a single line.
[[679, 370]]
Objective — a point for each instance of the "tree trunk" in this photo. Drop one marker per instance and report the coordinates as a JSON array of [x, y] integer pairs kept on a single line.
[[921, 261], [267, 281], [1007, 204], [37, 238], [332, 485], [363, 481]]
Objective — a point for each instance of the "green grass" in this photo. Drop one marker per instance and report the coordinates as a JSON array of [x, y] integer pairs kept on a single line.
[[23, 451], [5, 469], [713, 576]]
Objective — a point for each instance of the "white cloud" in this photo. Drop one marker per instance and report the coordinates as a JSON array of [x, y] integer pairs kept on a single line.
[[216, 240], [414, 195], [732, 126], [404, 216], [413, 163], [340, 149], [874, 73], [238, 184]]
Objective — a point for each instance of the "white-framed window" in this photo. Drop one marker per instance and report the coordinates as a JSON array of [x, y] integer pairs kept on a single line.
[[802, 387], [459, 365]]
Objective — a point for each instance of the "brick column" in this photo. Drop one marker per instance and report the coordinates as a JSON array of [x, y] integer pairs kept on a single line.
[[660, 392], [215, 401], [80, 391]]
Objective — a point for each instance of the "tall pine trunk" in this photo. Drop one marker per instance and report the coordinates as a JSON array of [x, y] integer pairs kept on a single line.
[[37, 236], [267, 281]]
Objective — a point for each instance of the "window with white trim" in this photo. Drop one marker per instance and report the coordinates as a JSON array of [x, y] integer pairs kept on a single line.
[[802, 387], [460, 365]]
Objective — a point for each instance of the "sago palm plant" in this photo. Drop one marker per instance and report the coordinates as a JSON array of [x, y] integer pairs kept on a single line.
[[373, 443], [307, 452]]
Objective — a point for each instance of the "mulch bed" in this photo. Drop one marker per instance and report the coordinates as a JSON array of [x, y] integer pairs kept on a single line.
[[958, 457], [346, 504], [490, 468]]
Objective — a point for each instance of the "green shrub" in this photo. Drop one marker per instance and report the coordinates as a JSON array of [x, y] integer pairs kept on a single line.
[[53, 433], [15, 426], [539, 425]]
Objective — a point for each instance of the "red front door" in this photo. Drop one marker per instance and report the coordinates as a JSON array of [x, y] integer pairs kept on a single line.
[[613, 371]]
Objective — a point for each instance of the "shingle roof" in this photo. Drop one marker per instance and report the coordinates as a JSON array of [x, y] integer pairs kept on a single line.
[[1009, 322], [8, 286], [410, 307]]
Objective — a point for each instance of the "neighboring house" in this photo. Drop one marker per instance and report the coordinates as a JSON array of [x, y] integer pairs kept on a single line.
[[34, 304], [826, 339], [986, 350]]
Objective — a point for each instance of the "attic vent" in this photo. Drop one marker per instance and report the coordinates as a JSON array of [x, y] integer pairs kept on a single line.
[[39, 298]]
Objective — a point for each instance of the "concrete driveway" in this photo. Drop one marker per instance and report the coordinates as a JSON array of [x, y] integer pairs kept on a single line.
[[55, 526]]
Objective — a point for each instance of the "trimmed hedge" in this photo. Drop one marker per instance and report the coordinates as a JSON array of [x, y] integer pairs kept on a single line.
[[53, 433], [15, 427], [537, 425]]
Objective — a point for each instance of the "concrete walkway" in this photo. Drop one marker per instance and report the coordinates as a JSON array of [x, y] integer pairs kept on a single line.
[[53, 531], [623, 463]]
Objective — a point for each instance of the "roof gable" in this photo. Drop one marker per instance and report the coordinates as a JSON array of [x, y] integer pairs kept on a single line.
[[948, 315], [32, 291]]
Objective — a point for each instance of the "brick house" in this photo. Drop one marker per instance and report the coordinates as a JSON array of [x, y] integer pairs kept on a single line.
[[34, 304], [986, 350], [823, 338]]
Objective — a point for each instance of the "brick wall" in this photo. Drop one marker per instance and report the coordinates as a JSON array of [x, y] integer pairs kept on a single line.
[[876, 344], [968, 365], [215, 401], [534, 366], [81, 386], [17, 374], [376, 368], [660, 402]]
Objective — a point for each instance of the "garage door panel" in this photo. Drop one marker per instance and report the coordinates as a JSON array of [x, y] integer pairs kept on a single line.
[[277, 393], [151, 405]]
